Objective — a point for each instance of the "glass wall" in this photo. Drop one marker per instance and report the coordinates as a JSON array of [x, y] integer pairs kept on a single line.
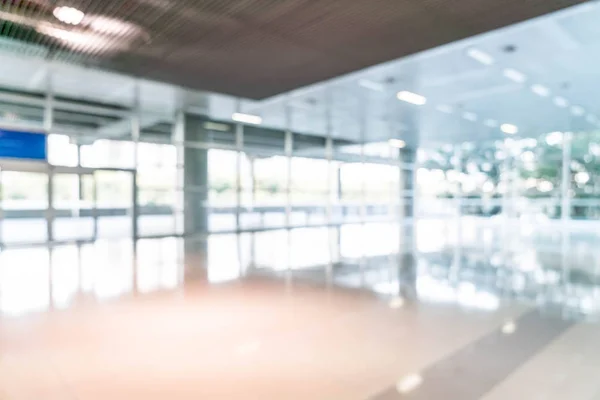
[[117, 154]]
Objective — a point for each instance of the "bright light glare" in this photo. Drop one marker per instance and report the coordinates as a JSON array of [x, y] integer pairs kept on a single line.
[[376, 86], [398, 143], [246, 118], [554, 138], [540, 90], [582, 177], [411, 97], [68, 15], [514, 75], [509, 129], [561, 101], [396, 302], [509, 328], [545, 186], [488, 187], [480, 56], [409, 383]]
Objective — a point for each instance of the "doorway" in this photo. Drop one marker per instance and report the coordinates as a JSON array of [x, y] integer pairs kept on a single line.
[[40, 203]]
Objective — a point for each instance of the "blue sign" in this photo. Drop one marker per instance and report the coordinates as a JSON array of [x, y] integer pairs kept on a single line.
[[23, 145]]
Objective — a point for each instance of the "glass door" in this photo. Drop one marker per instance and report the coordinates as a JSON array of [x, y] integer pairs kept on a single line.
[[23, 206], [114, 202], [74, 205]]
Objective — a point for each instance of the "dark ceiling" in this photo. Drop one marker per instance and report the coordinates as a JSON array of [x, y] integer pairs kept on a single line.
[[255, 48]]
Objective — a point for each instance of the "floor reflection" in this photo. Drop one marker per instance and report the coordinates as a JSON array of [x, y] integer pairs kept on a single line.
[[469, 262]]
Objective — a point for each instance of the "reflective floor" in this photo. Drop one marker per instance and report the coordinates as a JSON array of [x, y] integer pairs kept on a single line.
[[468, 309]]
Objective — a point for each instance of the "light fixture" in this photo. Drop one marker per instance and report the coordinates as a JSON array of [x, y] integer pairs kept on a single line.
[[69, 15], [561, 101], [578, 111], [411, 97], [514, 75], [469, 116], [540, 90], [409, 383], [509, 129], [492, 123], [398, 143], [444, 108], [480, 56], [216, 126], [376, 86], [246, 118]]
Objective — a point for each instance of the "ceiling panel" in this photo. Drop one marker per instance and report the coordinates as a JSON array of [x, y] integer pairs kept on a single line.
[[254, 48]]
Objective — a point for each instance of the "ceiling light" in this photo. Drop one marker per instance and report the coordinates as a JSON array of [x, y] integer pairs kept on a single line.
[[68, 15], [376, 86], [444, 108], [246, 118], [492, 123], [540, 90], [561, 101], [509, 129], [480, 56], [514, 75], [398, 143], [411, 97], [409, 383], [577, 111], [469, 116], [591, 119]]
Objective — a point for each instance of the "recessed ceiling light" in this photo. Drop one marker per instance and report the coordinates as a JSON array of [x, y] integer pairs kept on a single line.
[[540, 90], [376, 86], [68, 15], [561, 101], [480, 56], [444, 108], [492, 123], [398, 143], [246, 118], [469, 116], [514, 75], [509, 129], [577, 111], [411, 97]]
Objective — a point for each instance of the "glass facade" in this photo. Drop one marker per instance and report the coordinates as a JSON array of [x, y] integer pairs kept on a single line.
[[124, 163]]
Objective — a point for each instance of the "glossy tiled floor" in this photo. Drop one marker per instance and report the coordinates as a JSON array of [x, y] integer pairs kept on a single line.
[[304, 314]]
